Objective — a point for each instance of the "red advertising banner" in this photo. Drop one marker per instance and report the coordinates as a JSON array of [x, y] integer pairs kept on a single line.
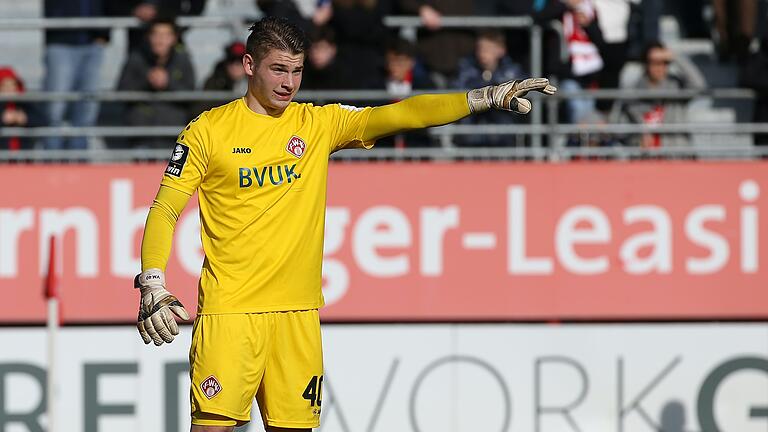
[[465, 241]]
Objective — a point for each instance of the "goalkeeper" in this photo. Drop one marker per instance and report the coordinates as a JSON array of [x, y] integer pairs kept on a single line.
[[259, 165]]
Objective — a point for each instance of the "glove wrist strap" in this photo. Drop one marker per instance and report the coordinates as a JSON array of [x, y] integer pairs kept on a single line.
[[479, 100], [151, 278]]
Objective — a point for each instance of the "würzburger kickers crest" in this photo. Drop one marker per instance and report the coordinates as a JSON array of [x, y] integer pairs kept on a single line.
[[210, 387], [296, 146]]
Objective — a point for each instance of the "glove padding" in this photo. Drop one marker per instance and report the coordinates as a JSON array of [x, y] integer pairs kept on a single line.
[[508, 96], [156, 323]]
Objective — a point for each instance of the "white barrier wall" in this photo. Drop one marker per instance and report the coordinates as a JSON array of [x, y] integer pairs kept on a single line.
[[428, 378]]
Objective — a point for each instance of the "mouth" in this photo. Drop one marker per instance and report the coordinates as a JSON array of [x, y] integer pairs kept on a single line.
[[283, 96]]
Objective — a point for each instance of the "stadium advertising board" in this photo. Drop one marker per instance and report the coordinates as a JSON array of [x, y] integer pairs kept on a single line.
[[432, 377], [474, 241]]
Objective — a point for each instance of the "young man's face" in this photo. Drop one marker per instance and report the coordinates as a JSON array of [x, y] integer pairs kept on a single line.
[[162, 38], [275, 80], [489, 52], [657, 64]]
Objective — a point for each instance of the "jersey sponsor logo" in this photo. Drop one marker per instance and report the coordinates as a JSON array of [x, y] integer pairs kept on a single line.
[[241, 150], [210, 387], [296, 146], [276, 174], [178, 159]]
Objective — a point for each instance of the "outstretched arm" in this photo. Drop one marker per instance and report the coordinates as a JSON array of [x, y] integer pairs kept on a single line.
[[415, 113], [438, 109]]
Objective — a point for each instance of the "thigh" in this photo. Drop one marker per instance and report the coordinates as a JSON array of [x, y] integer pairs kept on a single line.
[[226, 361], [291, 392]]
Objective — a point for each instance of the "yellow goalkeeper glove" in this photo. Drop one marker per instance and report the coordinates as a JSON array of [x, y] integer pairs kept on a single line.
[[508, 96]]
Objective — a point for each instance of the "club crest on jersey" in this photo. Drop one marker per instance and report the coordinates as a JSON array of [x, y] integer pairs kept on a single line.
[[210, 387], [296, 146]]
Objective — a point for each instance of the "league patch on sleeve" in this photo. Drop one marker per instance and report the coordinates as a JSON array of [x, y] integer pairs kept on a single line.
[[178, 160]]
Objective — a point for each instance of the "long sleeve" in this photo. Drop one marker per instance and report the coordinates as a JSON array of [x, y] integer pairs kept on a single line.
[[415, 113], [161, 222]]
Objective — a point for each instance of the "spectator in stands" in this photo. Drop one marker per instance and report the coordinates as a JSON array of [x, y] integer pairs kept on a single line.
[[735, 21], [440, 48], [322, 71], [285, 9], [584, 42], [613, 20], [359, 29], [755, 76], [490, 65], [73, 61], [148, 11], [404, 75], [163, 66], [668, 73], [227, 75], [15, 114]]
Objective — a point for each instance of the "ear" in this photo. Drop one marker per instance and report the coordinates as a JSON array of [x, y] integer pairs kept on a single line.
[[249, 65]]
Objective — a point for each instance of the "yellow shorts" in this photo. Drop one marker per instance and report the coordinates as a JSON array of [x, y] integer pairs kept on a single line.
[[275, 357]]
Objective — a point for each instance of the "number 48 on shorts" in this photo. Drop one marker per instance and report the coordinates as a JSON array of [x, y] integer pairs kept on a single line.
[[314, 391]]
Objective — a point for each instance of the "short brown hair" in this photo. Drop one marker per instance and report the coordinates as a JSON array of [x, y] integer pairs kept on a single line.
[[275, 33]]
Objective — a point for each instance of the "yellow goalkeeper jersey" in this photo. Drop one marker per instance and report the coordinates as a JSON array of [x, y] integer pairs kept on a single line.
[[261, 185]]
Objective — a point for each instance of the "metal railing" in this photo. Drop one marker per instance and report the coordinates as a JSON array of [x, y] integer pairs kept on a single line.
[[446, 134], [536, 129]]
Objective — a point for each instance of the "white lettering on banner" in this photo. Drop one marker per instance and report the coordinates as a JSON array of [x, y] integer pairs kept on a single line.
[[86, 229], [434, 223], [568, 234], [125, 222], [659, 240], [384, 241], [12, 224], [589, 378], [517, 261], [749, 191], [335, 274], [715, 243], [382, 227]]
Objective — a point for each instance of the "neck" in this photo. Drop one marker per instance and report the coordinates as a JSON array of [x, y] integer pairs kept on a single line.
[[256, 106]]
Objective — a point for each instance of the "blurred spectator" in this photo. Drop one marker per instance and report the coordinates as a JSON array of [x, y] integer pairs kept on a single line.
[[644, 17], [518, 39], [149, 10], [735, 21], [322, 71], [613, 19], [227, 75], [584, 42], [15, 114], [404, 75], [490, 65], [441, 48], [359, 29], [163, 66], [755, 76], [690, 17], [404, 72], [73, 61], [285, 9], [664, 72]]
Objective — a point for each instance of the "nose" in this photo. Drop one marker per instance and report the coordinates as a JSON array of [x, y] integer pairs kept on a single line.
[[288, 82]]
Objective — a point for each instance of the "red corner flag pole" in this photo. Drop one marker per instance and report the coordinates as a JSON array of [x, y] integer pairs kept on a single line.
[[54, 320]]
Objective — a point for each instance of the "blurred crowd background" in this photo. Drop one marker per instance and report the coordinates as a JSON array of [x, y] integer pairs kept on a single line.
[[637, 46]]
